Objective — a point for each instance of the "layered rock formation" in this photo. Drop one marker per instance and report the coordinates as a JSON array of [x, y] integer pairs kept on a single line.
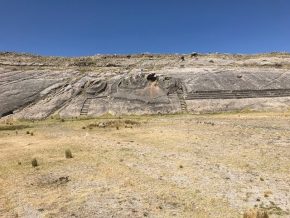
[[36, 87]]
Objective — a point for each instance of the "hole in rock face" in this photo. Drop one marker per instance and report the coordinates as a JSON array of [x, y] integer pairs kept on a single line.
[[152, 77]]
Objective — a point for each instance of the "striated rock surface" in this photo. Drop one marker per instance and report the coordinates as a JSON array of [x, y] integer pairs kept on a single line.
[[36, 87]]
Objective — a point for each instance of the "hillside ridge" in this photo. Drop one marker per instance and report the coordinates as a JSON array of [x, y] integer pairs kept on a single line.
[[36, 87]]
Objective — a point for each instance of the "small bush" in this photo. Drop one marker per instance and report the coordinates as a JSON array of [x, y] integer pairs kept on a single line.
[[68, 154], [34, 162], [32, 134], [194, 54], [27, 132]]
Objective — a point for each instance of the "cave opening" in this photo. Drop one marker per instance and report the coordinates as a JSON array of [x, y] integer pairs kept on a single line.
[[152, 77]]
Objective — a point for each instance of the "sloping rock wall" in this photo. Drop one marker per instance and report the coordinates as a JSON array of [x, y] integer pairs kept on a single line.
[[35, 87]]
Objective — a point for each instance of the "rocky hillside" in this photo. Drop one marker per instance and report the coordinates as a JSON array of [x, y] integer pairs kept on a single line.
[[36, 87]]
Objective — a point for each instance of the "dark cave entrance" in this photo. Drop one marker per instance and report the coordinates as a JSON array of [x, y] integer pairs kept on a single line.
[[152, 77]]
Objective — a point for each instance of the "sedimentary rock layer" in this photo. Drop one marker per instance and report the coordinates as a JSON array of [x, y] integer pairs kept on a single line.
[[36, 87]]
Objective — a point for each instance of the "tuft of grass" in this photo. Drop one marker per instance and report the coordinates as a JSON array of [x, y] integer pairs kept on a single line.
[[255, 213], [34, 162], [267, 193], [68, 154]]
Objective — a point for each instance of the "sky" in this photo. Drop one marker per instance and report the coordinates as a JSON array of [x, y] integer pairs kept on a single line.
[[89, 27]]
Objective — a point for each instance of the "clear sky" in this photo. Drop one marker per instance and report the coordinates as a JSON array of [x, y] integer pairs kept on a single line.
[[88, 27]]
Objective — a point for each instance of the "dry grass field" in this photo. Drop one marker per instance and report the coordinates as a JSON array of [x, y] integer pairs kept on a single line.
[[217, 165]]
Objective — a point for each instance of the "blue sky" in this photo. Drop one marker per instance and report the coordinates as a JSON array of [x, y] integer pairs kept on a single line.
[[88, 27]]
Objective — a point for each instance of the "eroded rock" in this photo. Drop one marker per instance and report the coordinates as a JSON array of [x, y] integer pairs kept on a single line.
[[35, 87]]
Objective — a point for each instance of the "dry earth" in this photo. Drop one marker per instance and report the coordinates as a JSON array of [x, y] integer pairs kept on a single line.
[[150, 166]]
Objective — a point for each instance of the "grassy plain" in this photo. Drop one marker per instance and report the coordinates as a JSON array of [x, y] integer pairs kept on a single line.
[[215, 165]]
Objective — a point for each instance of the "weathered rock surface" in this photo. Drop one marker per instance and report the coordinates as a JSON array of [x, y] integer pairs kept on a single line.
[[36, 87]]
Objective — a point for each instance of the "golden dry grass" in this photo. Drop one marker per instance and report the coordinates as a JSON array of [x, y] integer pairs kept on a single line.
[[229, 161]]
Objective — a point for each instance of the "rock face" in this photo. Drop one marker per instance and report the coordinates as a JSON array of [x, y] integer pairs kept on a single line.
[[36, 87]]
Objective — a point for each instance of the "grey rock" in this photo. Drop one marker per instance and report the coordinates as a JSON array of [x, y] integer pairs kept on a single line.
[[35, 87]]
